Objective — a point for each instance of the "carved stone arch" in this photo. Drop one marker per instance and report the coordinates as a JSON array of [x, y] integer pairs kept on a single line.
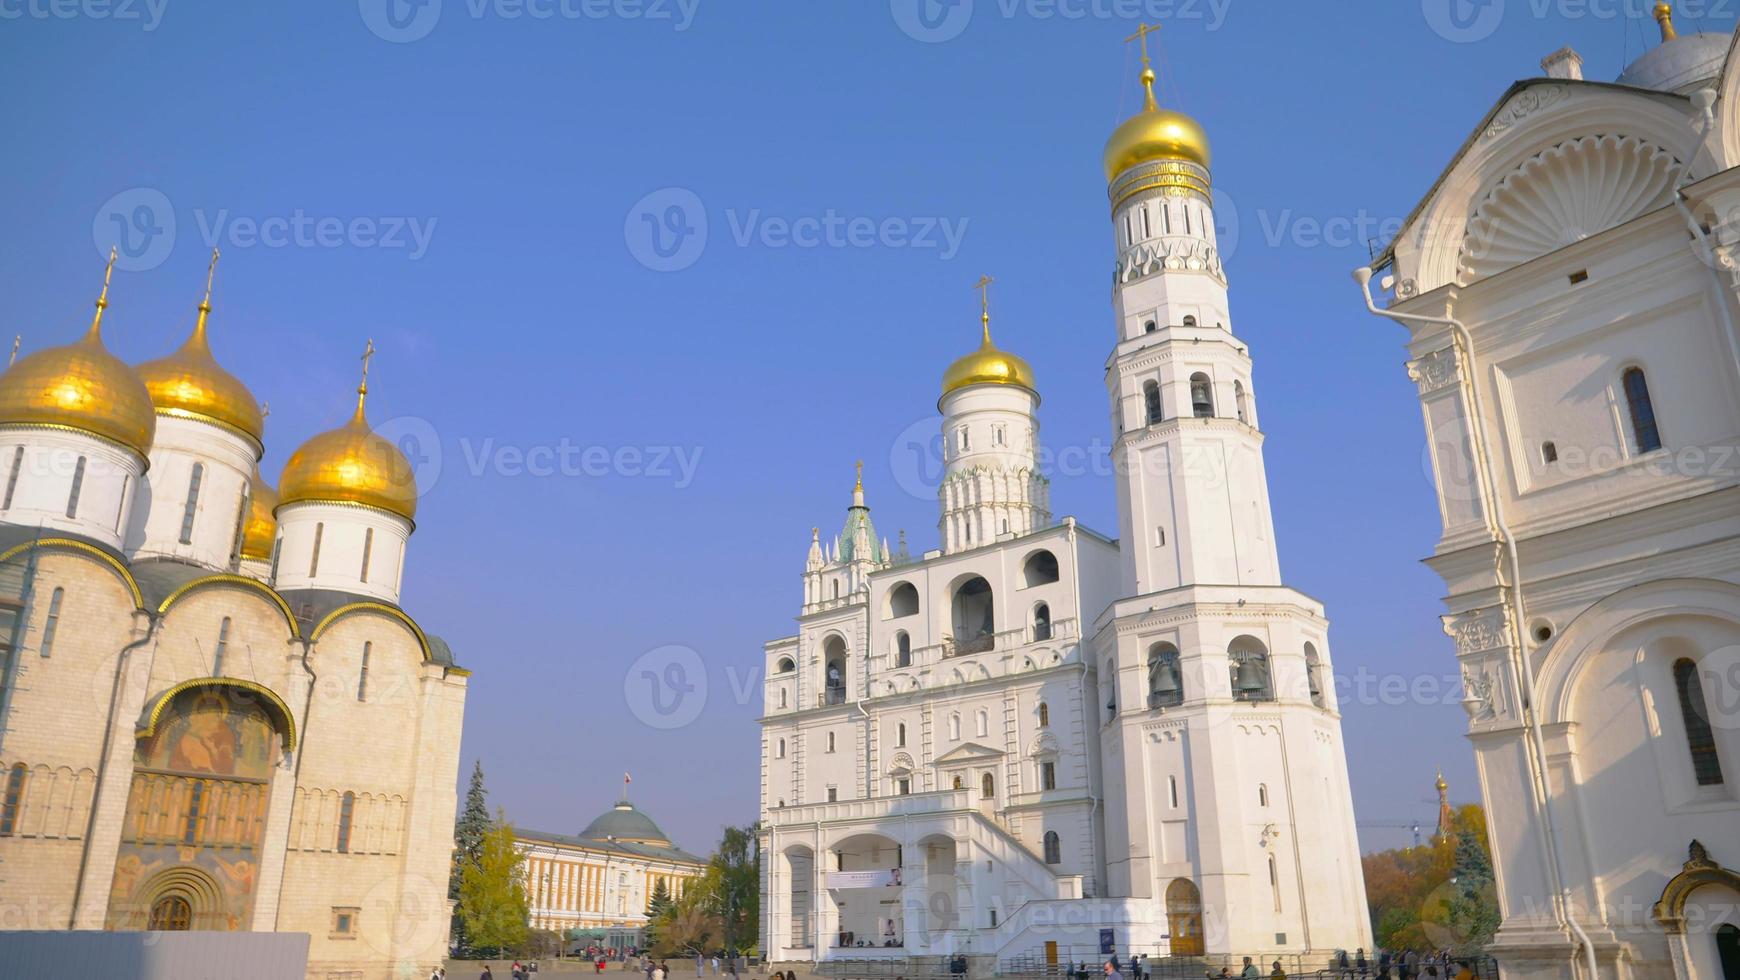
[[234, 582], [1569, 192], [1578, 643], [1045, 744], [1532, 117], [1698, 871], [902, 762]]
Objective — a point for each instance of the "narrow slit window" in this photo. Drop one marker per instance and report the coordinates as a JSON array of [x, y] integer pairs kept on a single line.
[[346, 813], [1700, 739], [314, 555], [362, 679], [368, 549], [191, 507], [223, 646], [51, 625], [78, 485], [12, 478]]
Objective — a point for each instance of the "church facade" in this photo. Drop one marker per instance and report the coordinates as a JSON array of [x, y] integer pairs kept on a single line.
[[214, 714], [1037, 739], [1569, 289]]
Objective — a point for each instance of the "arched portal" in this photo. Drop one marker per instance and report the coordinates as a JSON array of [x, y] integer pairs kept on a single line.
[[800, 870], [1184, 917], [196, 810], [864, 882], [973, 617]]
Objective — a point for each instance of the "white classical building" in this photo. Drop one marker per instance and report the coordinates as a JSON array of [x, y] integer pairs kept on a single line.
[[1569, 285], [1036, 739]]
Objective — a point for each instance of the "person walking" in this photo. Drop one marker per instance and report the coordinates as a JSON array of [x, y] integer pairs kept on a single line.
[[715, 964], [1250, 970], [1112, 969], [1277, 973], [486, 975], [1359, 963]]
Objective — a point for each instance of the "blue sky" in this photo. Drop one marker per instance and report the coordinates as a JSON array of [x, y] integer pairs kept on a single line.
[[619, 459]]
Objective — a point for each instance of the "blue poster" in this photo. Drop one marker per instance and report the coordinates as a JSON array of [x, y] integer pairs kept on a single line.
[[1108, 942]]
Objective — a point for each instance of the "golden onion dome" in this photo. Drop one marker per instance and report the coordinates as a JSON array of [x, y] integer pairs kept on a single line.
[[191, 384], [350, 464], [260, 529], [81, 386], [987, 366], [1155, 134]]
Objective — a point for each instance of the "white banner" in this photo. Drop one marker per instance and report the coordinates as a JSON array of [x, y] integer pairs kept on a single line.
[[880, 878]]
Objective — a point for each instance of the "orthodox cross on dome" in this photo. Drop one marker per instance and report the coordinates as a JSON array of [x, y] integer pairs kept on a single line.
[[17, 339], [103, 297], [362, 389], [860, 485], [984, 288], [1142, 32], [210, 274]]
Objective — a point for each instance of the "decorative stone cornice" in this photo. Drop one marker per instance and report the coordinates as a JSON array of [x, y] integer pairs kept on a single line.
[[1524, 104], [1435, 371]]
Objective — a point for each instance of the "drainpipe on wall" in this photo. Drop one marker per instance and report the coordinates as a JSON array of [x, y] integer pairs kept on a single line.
[[1469, 388], [103, 762]]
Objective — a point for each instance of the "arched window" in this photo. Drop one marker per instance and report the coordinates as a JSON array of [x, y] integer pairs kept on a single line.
[[1044, 714], [955, 727], [783, 703], [902, 601], [987, 786], [51, 625], [836, 588], [1047, 775], [1165, 678], [959, 783], [900, 735], [1275, 882], [1189, 321], [1040, 569], [1313, 672], [192, 505], [1151, 402], [779, 750], [1041, 623], [787, 665], [1248, 663], [1262, 795], [1053, 848], [902, 649], [368, 549], [1201, 396], [1239, 401], [830, 742], [314, 553], [1150, 327], [1643, 428], [346, 814], [12, 803], [1706, 765], [78, 485], [974, 617], [834, 677], [983, 723]]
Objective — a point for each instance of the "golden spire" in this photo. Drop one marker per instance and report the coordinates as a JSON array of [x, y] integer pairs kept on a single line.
[[1142, 32], [1664, 15], [860, 487], [984, 288], [198, 338], [17, 339], [362, 390], [1443, 787], [95, 332]]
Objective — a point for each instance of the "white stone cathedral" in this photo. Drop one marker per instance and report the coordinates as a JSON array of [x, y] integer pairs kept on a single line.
[[1569, 286], [1037, 739]]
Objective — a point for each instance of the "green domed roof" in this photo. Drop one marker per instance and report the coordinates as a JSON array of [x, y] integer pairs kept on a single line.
[[624, 823]]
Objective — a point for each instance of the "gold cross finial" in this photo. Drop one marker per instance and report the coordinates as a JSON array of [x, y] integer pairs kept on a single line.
[[860, 485], [210, 274], [16, 340], [362, 390], [1142, 32], [984, 288], [103, 297], [265, 410]]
